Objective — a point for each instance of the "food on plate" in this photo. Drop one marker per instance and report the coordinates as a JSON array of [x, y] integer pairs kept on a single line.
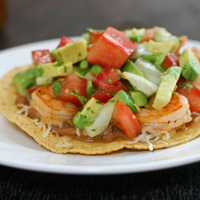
[[110, 90]]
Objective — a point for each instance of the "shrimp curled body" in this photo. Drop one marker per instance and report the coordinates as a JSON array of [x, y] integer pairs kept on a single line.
[[51, 108], [172, 116]]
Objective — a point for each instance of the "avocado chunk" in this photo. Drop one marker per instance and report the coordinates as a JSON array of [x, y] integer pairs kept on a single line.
[[189, 64], [55, 69], [166, 87], [141, 84], [136, 35], [72, 52], [162, 35], [126, 99], [165, 48], [26, 79], [139, 98], [86, 116], [149, 70], [129, 66]]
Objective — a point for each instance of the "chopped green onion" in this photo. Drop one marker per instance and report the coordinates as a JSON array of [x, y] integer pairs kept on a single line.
[[84, 64], [56, 86]]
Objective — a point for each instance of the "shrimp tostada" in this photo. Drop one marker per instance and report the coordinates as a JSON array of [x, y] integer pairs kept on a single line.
[[108, 91]]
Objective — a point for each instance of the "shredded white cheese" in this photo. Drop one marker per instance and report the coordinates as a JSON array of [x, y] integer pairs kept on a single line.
[[24, 109], [46, 129], [78, 132], [63, 143], [150, 135]]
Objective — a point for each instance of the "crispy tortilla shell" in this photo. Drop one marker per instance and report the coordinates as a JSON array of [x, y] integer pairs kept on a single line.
[[65, 144]]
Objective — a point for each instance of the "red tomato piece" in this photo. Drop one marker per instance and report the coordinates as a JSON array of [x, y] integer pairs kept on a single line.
[[125, 120], [170, 60], [42, 56], [149, 34], [109, 80], [72, 82], [184, 39], [64, 40], [94, 36], [107, 76], [192, 94], [112, 48], [102, 96]]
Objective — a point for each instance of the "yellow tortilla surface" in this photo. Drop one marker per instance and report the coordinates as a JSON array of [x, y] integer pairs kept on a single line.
[[9, 110]]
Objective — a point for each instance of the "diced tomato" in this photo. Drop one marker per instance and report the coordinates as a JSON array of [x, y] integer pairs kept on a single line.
[[125, 120], [149, 34], [108, 76], [184, 39], [192, 94], [64, 40], [94, 36], [33, 88], [42, 56], [109, 80], [102, 96], [112, 48], [170, 60], [196, 52], [72, 82]]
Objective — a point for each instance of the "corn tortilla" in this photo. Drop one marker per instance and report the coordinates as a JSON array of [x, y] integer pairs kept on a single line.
[[9, 110]]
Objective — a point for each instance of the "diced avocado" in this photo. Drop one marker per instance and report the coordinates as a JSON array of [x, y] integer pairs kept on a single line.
[[55, 69], [139, 98], [165, 48], [89, 89], [149, 70], [137, 35], [86, 116], [43, 81], [162, 35], [126, 99], [189, 64], [72, 52], [129, 66], [101, 121], [141, 84], [24, 80], [166, 87]]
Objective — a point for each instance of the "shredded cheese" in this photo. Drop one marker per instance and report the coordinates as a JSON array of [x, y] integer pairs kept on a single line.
[[150, 135], [63, 143], [24, 109]]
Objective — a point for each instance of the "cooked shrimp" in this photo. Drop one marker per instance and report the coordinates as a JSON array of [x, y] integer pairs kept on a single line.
[[49, 107], [172, 116]]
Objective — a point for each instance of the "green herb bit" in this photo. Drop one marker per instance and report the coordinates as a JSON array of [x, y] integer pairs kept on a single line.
[[185, 85], [84, 64], [80, 98], [88, 108], [99, 102], [110, 80], [79, 54], [58, 64], [93, 130], [119, 76], [140, 133], [56, 86], [65, 68]]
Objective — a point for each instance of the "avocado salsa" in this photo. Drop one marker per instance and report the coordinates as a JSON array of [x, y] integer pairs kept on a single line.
[[106, 79]]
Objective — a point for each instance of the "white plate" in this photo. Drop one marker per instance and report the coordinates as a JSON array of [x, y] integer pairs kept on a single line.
[[18, 150]]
